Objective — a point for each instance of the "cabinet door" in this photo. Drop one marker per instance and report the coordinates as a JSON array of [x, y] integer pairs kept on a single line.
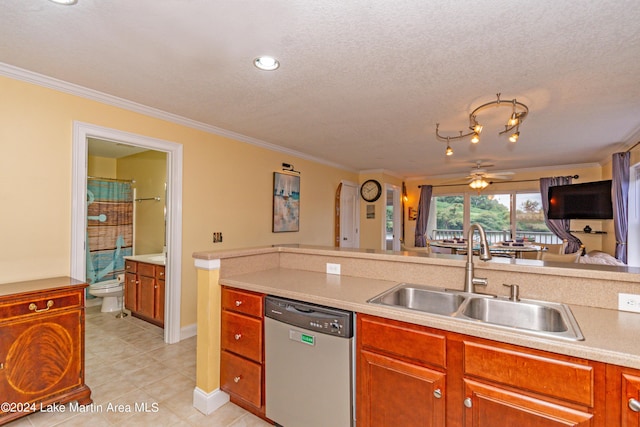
[[158, 309], [146, 295], [489, 406], [393, 393], [630, 401], [131, 291], [41, 357]]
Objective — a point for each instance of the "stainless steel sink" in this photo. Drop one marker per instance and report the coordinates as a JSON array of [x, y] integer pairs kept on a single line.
[[537, 317], [421, 298]]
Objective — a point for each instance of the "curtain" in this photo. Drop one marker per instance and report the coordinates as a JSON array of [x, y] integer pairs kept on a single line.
[[559, 227], [423, 215], [620, 196], [109, 228]]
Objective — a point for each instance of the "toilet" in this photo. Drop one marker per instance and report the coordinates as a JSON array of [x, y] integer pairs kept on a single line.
[[111, 292]]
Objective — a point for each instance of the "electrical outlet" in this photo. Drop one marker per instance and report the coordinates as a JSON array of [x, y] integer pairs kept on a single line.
[[333, 268], [629, 302]]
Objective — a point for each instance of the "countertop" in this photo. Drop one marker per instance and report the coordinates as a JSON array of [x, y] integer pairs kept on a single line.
[[157, 259], [610, 335], [39, 285]]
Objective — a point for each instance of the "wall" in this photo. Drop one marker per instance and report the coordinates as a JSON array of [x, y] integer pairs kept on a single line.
[[227, 185], [149, 171], [371, 229]]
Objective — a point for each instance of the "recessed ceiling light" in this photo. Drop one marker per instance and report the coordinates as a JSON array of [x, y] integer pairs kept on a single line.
[[266, 63], [65, 2]]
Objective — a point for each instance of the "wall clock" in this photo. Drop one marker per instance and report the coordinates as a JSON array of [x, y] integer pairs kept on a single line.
[[371, 190]]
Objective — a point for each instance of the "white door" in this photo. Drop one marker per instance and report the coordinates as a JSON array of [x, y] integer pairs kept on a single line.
[[349, 216]]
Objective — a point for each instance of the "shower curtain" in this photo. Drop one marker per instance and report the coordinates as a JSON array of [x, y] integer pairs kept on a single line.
[[109, 228]]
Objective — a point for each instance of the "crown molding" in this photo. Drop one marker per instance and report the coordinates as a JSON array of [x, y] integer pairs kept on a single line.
[[27, 76]]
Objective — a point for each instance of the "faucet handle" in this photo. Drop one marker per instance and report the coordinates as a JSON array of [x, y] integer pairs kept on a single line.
[[515, 292]]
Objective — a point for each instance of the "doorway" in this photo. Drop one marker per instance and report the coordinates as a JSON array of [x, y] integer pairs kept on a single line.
[[82, 132], [349, 215]]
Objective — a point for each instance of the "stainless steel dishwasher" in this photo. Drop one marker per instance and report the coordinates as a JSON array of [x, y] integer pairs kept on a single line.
[[309, 372]]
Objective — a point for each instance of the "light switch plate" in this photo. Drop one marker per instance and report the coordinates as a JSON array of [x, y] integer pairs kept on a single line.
[[629, 302], [333, 268]]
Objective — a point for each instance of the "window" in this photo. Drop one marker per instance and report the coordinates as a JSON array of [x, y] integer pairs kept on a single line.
[[502, 215]]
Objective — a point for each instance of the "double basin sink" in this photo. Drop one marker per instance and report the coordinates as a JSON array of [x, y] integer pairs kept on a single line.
[[542, 318]]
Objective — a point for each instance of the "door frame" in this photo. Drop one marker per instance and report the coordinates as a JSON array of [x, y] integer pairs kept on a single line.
[[81, 133], [397, 217]]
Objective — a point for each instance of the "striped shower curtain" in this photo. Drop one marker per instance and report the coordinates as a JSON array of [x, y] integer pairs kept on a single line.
[[109, 228]]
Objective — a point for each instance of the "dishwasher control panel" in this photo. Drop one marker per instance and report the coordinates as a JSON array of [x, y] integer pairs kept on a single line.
[[326, 320]]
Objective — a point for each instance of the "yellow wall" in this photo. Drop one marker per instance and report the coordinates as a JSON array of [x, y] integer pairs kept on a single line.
[[149, 171], [371, 228], [227, 185]]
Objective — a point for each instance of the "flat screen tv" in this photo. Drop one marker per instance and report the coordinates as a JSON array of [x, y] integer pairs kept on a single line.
[[590, 200]]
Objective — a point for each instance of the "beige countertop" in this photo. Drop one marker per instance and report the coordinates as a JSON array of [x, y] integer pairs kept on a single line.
[[157, 259], [38, 285], [610, 335]]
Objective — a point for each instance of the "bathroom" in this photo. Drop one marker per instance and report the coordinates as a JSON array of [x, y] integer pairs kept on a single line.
[[139, 177]]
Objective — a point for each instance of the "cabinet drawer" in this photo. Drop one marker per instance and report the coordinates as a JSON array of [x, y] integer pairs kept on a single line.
[[562, 379], [242, 302], [40, 304], [404, 340], [242, 335], [160, 272], [146, 269], [130, 266], [241, 378]]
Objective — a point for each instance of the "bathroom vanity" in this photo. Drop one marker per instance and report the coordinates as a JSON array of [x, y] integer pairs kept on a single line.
[[144, 287], [42, 346]]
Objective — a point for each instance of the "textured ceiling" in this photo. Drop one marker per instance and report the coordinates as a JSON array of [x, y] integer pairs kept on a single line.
[[362, 82]]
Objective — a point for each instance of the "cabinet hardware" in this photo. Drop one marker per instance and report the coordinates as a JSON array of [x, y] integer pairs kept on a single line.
[[237, 336], [634, 405], [238, 303], [468, 402], [34, 307], [437, 393], [237, 379], [1, 365]]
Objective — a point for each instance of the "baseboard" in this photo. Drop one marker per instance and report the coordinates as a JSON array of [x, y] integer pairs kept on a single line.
[[209, 402], [188, 331]]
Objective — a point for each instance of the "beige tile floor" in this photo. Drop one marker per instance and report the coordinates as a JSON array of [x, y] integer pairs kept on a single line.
[[128, 364]]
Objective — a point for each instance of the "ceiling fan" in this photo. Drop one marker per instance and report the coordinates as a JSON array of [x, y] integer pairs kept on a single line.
[[478, 176]]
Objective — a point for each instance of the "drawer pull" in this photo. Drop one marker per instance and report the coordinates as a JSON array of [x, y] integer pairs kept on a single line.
[[237, 337], [237, 379], [468, 402], [634, 405], [34, 307], [238, 303], [162, 273], [437, 393]]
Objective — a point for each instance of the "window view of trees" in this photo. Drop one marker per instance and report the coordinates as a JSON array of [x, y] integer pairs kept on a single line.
[[450, 212]]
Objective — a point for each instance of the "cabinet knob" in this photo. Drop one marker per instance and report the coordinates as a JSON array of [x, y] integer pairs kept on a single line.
[[238, 303], [237, 379], [468, 402], [162, 273], [237, 336], [437, 393], [634, 405], [34, 307]]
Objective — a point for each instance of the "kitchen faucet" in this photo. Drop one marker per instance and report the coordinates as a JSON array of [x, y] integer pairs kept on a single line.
[[485, 255]]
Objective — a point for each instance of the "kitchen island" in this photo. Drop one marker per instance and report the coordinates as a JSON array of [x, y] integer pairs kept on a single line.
[[299, 272]]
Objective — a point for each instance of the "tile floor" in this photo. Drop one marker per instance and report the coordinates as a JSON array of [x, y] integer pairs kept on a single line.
[[128, 364]]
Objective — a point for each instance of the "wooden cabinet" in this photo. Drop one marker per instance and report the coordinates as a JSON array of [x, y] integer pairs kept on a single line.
[[623, 396], [401, 379], [145, 290], [41, 345], [411, 375], [523, 387], [242, 358]]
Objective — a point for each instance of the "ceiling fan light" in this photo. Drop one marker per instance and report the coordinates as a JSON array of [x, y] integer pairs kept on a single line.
[[475, 138], [514, 137], [478, 184]]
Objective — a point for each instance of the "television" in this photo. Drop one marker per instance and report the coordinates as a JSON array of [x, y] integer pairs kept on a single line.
[[590, 200]]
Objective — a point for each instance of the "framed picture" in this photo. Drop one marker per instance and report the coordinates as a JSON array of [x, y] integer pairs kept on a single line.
[[286, 202]]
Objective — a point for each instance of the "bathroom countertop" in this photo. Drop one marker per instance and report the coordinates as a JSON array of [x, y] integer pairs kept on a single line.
[[158, 259]]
